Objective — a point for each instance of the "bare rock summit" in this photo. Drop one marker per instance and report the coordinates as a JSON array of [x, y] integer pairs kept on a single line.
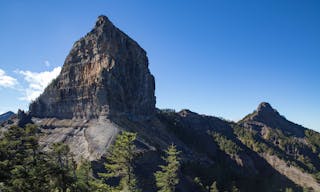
[[106, 73]]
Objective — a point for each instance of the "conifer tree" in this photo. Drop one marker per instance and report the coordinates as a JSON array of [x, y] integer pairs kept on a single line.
[[167, 178], [83, 176], [213, 187], [23, 166], [119, 164], [235, 189], [63, 175], [289, 190]]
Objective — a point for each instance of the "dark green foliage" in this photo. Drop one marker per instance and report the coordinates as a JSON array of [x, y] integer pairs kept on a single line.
[[288, 148], [119, 164], [212, 188], [167, 178], [225, 144], [173, 124], [198, 182], [317, 176], [24, 167], [83, 176], [313, 139], [307, 189], [64, 167], [289, 190], [251, 140], [234, 189]]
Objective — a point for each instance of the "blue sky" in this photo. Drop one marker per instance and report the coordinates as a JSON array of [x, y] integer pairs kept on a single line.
[[220, 58]]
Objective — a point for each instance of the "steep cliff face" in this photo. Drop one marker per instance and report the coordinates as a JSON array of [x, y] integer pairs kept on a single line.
[[105, 73], [105, 86]]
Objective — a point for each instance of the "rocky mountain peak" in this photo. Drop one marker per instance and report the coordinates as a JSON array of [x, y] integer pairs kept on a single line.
[[266, 108], [102, 19], [104, 25], [186, 112], [266, 115], [264, 105], [264, 111], [105, 73]]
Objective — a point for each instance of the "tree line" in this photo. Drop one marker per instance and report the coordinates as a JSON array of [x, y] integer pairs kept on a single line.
[[24, 166]]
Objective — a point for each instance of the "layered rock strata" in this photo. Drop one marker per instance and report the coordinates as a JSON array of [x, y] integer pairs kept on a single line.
[[105, 73]]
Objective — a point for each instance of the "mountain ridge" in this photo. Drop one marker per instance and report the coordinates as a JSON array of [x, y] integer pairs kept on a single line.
[[5, 116], [106, 87], [270, 117]]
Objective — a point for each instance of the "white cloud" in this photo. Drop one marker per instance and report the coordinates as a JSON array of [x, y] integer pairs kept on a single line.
[[37, 82], [7, 81]]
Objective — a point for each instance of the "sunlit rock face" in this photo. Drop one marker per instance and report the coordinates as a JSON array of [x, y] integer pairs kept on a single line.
[[105, 73]]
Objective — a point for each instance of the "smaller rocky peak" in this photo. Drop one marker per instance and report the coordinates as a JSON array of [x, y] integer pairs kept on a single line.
[[264, 113], [186, 112], [266, 116], [5, 116], [265, 107], [9, 113]]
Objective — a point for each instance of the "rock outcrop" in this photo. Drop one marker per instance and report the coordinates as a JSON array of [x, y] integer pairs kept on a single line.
[[266, 116], [6, 116], [23, 118], [105, 87], [105, 73], [285, 145]]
